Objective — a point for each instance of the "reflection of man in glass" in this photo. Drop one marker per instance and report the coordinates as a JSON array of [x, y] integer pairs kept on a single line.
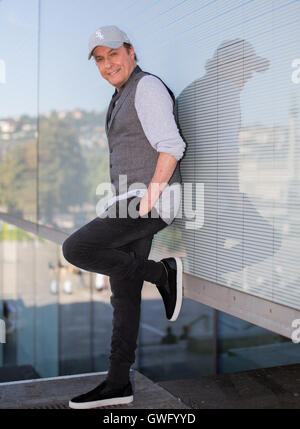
[[234, 234], [145, 146]]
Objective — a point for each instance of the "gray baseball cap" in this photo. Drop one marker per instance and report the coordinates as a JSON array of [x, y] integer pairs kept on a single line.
[[110, 36]]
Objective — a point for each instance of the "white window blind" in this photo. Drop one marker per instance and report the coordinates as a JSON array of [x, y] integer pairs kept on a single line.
[[239, 115]]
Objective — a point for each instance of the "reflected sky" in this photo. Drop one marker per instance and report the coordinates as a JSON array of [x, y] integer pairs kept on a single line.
[[173, 39]]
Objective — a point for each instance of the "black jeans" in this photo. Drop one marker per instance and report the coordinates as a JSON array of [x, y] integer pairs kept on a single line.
[[119, 248]]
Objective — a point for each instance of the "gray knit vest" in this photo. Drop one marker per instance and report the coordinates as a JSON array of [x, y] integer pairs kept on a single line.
[[131, 155]]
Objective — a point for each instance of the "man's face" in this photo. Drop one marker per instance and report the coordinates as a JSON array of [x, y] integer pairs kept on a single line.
[[115, 65]]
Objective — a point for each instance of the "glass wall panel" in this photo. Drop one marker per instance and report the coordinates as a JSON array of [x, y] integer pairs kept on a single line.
[[75, 327], [29, 307], [242, 346], [47, 310], [102, 315], [26, 295], [73, 154], [18, 107], [58, 318]]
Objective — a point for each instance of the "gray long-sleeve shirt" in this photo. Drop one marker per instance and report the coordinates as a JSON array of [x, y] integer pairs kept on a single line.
[[154, 107]]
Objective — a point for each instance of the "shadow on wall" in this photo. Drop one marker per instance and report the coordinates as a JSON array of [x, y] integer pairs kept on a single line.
[[234, 234]]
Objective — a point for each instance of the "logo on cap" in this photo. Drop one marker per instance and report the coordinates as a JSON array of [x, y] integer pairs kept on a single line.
[[99, 35]]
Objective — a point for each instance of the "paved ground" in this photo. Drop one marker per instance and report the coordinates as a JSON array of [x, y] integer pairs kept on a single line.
[[56, 393], [268, 388]]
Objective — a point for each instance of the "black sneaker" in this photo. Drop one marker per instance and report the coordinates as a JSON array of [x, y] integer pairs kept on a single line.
[[171, 292], [103, 395]]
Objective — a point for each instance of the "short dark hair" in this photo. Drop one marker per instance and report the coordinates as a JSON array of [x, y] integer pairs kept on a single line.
[[127, 46]]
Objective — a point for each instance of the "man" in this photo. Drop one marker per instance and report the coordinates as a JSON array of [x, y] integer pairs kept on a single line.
[[145, 146]]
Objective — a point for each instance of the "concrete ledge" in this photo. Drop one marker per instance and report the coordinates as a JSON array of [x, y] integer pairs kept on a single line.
[[56, 393], [259, 311]]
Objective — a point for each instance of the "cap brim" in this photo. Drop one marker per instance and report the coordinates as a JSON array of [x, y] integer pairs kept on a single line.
[[113, 45]]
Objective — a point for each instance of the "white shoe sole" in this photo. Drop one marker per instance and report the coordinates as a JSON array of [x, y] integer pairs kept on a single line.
[[179, 290], [102, 403]]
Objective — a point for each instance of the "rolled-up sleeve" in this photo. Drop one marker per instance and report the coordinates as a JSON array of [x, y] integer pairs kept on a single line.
[[154, 107]]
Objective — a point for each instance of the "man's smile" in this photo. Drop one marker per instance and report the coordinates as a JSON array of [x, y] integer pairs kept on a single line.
[[114, 72]]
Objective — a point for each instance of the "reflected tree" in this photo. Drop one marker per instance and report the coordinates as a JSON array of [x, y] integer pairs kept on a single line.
[[62, 168], [17, 180]]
